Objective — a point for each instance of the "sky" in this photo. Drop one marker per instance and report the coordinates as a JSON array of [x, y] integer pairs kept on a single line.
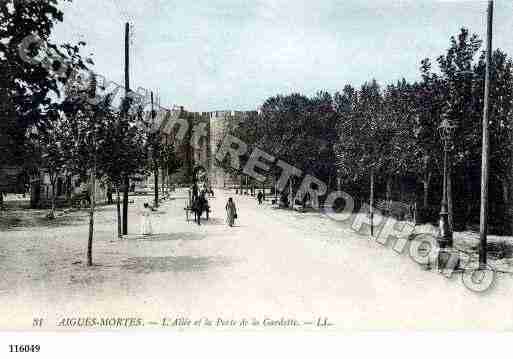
[[209, 55]]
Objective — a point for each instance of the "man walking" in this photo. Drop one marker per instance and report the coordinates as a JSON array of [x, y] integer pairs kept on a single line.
[[260, 197], [109, 194]]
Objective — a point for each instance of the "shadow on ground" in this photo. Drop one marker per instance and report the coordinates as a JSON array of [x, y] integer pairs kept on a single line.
[[212, 221], [169, 237], [18, 220], [174, 264]]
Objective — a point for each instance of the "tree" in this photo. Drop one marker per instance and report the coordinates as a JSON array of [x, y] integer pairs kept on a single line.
[[394, 133], [54, 145], [32, 68], [299, 130], [368, 134], [155, 150], [428, 101], [87, 121], [456, 66], [32, 72], [501, 135], [170, 163], [122, 151], [346, 149]]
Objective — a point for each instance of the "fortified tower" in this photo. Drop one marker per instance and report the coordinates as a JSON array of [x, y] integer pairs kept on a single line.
[[221, 122]]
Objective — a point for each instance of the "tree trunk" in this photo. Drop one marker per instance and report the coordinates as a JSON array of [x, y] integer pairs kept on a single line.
[[449, 200], [508, 226], [91, 217], [275, 189], [68, 188], [156, 174], [469, 193], [401, 189], [118, 209], [291, 197], [1, 201], [371, 202], [505, 192], [389, 189], [426, 183], [163, 180], [35, 194], [126, 187], [52, 210], [241, 184]]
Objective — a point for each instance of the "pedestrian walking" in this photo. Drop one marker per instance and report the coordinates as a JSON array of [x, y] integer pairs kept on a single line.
[[231, 212], [196, 209], [284, 200], [146, 228], [199, 206], [109, 194], [260, 197]]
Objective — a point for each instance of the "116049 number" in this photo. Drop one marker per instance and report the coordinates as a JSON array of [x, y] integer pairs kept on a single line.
[[24, 348]]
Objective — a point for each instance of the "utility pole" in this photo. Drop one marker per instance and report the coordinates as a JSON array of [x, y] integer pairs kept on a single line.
[[483, 218], [127, 90]]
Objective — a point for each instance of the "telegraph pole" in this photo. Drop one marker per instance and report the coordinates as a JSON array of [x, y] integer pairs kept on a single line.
[[127, 90], [483, 218]]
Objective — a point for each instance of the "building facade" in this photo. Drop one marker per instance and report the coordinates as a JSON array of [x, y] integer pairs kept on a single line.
[[196, 137]]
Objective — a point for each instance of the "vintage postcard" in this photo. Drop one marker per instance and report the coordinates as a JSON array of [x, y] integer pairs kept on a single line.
[[255, 165]]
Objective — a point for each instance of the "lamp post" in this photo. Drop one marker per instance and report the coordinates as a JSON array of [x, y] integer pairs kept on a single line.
[[446, 131]]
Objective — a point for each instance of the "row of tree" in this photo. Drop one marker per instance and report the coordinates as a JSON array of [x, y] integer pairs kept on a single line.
[[391, 133], [54, 122]]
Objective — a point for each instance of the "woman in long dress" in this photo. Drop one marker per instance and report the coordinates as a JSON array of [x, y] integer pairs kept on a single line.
[[231, 212], [146, 220]]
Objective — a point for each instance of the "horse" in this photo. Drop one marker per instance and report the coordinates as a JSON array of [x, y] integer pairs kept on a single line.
[[199, 205]]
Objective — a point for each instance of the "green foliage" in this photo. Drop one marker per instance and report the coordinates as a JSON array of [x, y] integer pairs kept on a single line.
[[170, 163], [26, 85], [113, 142], [393, 130], [296, 129]]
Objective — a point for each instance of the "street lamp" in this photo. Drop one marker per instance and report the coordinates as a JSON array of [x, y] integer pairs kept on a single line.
[[446, 131]]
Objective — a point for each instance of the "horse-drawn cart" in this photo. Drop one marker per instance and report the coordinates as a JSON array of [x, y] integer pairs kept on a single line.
[[189, 211], [81, 200], [197, 207]]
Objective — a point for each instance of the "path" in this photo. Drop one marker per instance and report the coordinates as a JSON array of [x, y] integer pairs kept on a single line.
[[273, 264]]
